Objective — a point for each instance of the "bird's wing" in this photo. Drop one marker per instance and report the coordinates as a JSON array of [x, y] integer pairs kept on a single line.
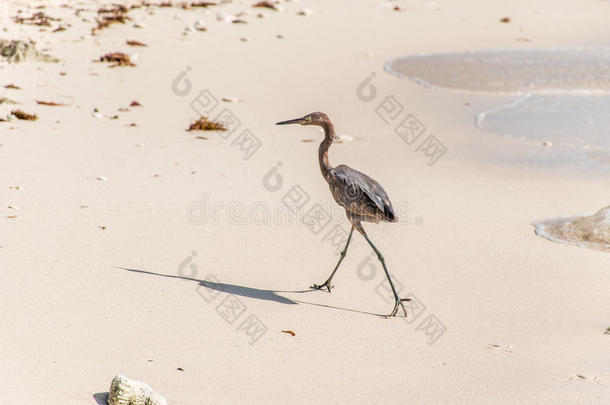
[[355, 187]]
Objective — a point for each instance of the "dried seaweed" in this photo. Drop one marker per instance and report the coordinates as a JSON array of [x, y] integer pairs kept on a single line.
[[21, 115], [39, 18], [118, 58], [265, 4], [50, 103], [12, 86], [205, 124], [117, 14], [201, 4], [131, 42]]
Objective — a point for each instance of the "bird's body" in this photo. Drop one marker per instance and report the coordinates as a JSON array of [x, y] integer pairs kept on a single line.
[[363, 198]]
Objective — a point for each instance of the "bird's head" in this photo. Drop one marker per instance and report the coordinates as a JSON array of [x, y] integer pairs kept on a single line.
[[315, 118]]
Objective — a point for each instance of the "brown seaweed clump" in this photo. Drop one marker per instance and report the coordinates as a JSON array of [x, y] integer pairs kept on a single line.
[[205, 124], [109, 16], [39, 18], [117, 58], [21, 115], [592, 231], [265, 4], [132, 42]]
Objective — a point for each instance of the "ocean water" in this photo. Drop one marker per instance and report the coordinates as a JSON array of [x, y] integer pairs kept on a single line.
[[562, 97], [512, 70], [577, 122]]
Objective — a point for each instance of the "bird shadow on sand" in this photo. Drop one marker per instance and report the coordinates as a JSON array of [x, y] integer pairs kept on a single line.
[[249, 292]]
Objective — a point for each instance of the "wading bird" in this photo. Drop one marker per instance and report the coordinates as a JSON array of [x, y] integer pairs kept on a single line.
[[362, 197]]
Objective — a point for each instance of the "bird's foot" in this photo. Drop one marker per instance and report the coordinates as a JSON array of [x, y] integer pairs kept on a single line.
[[319, 287], [399, 302]]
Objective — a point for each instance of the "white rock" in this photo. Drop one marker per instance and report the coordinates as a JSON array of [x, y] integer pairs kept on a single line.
[[124, 391], [200, 25]]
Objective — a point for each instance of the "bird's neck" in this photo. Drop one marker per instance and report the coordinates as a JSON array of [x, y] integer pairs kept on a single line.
[[329, 135]]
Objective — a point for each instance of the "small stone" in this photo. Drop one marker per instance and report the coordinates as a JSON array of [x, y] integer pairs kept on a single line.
[[305, 12]]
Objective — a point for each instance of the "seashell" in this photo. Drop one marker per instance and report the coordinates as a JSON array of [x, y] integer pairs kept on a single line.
[[124, 391]]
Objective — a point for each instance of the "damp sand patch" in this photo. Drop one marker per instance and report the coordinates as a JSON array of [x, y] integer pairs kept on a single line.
[[508, 70], [591, 231]]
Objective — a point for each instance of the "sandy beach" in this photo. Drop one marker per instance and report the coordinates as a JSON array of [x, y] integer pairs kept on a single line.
[[129, 245]]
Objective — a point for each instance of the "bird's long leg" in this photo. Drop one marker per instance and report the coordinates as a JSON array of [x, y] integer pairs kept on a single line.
[[398, 300], [343, 253]]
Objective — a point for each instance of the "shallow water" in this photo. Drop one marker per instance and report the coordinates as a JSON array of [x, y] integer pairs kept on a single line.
[[577, 121], [509, 70]]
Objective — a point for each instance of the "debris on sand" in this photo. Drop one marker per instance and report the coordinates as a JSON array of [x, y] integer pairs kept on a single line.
[[21, 115], [205, 124], [306, 12], [134, 103], [109, 16], [50, 103], [12, 86], [291, 333], [505, 20], [266, 4], [135, 43], [201, 4], [39, 18], [118, 58], [21, 51]]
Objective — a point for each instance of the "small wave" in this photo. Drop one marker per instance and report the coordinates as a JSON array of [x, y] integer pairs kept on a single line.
[[591, 231]]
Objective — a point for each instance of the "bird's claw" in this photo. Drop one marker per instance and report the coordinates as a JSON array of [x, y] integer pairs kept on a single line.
[[398, 302], [319, 287]]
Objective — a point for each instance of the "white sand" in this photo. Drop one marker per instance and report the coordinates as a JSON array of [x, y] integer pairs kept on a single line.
[[523, 316]]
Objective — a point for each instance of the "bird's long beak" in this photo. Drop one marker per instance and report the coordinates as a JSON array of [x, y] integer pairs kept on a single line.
[[294, 121]]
